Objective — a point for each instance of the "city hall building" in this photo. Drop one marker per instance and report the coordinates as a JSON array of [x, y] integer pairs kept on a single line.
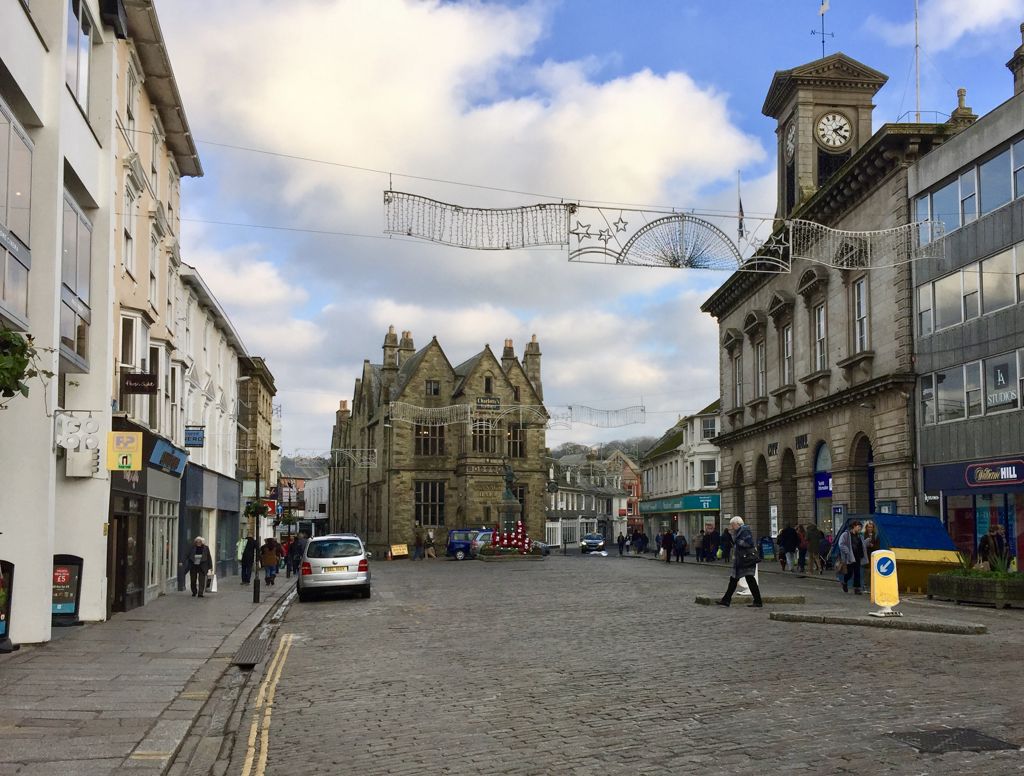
[[816, 365], [426, 444]]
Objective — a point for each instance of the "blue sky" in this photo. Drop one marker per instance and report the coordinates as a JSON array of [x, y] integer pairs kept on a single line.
[[653, 101]]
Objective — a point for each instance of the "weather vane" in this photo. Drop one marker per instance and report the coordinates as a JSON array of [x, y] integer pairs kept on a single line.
[[822, 33]]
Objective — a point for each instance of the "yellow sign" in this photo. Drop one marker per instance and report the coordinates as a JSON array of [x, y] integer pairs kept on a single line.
[[884, 586], [124, 451], [399, 549]]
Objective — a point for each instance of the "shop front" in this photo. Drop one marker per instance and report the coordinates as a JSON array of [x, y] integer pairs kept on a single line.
[[692, 514], [210, 510], [166, 465], [126, 572], [977, 495]]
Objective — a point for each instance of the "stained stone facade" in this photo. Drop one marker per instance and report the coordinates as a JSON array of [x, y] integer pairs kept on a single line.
[[439, 476], [816, 365]]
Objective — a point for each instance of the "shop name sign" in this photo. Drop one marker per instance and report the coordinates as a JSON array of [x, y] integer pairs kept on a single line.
[[488, 403], [139, 383], [995, 473]]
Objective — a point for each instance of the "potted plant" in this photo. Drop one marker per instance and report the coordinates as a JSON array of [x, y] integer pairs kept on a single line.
[[19, 362], [997, 586]]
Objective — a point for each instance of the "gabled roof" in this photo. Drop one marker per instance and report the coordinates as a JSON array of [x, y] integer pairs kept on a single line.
[[712, 409], [466, 368], [669, 441], [834, 71], [411, 364]]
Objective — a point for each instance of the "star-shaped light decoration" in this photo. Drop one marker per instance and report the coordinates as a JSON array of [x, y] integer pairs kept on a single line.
[[582, 231], [621, 224], [604, 236]]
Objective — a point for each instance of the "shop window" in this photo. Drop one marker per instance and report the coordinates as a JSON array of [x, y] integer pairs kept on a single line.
[[997, 291], [950, 394], [960, 522], [1001, 389], [995, 182]]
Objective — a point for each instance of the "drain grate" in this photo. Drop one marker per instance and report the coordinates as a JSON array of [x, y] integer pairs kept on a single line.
[[252, 651], [951, 740]]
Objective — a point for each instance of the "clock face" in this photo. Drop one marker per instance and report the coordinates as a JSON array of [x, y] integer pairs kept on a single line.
[[790, 140], [834, 130]]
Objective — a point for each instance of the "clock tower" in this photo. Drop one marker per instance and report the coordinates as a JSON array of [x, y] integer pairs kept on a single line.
[[823, 111]]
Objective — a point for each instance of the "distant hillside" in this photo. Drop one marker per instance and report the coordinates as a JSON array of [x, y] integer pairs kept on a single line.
[[304, 468]]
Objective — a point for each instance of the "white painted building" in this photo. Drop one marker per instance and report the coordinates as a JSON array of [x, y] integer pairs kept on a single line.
[[316, 499], [680, 477], [57, 178]]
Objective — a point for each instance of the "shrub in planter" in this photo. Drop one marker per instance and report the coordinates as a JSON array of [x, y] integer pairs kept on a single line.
[[19, 362], [998, 588]]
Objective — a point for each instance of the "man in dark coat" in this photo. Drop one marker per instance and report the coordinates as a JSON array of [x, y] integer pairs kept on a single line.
[[680, 547], [198, 562], [726, 544], [789, 543], [248, 559]]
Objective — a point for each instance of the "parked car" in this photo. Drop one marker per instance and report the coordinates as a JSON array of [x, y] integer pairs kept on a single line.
[[545, 549], [459, 543], [334, 562], [481, 540], [592, 542]]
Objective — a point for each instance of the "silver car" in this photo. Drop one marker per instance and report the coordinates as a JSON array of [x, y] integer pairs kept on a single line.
[[334, 562]]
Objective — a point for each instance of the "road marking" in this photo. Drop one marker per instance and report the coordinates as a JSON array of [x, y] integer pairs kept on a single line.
[[256, 752]]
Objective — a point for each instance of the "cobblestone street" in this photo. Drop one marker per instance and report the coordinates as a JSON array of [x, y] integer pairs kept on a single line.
[[606, 666]]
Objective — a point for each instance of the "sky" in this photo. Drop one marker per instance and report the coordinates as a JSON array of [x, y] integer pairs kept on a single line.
[[305, 112]]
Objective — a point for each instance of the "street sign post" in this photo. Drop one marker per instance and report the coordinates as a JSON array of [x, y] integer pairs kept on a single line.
[[124, 451], [885, 591]]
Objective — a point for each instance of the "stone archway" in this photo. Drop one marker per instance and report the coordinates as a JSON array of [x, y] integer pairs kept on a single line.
[[762, 525], [739, 496], [862, 476], [787, 490]]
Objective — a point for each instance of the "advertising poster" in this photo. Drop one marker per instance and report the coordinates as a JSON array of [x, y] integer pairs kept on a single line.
[[65, 588]]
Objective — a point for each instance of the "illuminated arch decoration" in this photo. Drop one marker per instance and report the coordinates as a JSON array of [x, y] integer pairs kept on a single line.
[[855, 250]]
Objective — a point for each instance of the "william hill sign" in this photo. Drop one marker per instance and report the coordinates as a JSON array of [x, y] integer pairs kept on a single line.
[[995, 473]]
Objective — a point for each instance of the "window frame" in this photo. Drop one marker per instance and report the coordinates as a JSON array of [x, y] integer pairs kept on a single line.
[[516, 438], [429, 502], [73, 302], [429, 439], [79, 17], [704, 428], [761, 368], [704, 473], [432, 387], [737, 376], [861, 316], [819, 351]]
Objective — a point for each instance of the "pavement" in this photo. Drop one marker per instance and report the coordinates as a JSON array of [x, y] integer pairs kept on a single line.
[[120, 696]]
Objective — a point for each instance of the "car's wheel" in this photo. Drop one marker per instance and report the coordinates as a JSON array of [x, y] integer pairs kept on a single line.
[[460, 555], [365, 592], [303, 595]]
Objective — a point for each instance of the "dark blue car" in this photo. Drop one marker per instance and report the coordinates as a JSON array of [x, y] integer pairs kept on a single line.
[[460, 541]]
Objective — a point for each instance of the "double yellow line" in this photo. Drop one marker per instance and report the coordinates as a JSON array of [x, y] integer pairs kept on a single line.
[[259, 731]]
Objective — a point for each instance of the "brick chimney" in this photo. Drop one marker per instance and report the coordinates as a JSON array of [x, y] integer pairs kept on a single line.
[[531, 364], [405, 348], [508, 356], [1016, 65]]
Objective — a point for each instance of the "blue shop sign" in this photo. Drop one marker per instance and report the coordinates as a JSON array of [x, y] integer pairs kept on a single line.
[[999, 475], [195, 436], [823, 484], [168, 458]]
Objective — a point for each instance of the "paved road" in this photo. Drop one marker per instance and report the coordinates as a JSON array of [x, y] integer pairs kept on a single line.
[[604, 666]]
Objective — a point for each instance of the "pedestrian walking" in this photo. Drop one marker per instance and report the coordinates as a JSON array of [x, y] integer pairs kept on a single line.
[[725, 543], [247, 557], [872, 542], [270, 559], [621, 542], [744, 563], [851, 553], [668, 544], [789, 544], [814, 537], [293, 556], [430, 551], [680, 547], [802, 548], [198, 562], [417, 546]]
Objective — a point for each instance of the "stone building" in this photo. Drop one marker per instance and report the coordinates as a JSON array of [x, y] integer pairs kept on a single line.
[[425, 443], [969, 310], [588, 491], [816, 369], [256, 391]]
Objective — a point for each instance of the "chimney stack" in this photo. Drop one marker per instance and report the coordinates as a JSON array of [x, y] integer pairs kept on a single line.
[[531, 365], [508, 356], [391, 349], [405, 348], [1016, 65], [962, 116]]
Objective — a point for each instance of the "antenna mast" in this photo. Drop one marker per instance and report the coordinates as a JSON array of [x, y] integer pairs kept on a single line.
[[917, 68], [821, 12]]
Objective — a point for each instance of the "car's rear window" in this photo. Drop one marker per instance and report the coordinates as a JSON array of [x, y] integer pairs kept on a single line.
[[334, 548], [462, 536]]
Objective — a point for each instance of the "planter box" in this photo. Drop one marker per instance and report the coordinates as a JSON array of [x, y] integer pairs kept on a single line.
[[509, 557], [977, 590]]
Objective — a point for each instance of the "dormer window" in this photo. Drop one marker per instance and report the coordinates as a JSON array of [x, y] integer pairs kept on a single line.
[[488, 384]]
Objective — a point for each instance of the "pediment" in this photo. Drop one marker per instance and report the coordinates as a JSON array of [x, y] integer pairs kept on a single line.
[[753, 324], [731, 339], [780, 304], [835, 71]]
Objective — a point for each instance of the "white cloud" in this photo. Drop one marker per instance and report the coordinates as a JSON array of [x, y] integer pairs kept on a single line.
[[447, 91], [944, 23]]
